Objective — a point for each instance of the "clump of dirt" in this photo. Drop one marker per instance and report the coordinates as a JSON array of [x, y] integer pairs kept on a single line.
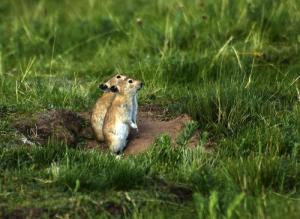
[[60, 125], [182, 193], [22, 212], [74, 129], [114, 209]]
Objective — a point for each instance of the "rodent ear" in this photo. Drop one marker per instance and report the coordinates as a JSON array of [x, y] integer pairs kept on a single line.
[[114, 89]]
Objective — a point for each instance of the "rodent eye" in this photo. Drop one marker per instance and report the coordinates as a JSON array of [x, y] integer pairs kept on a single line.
[[130, 81], [118, 76]]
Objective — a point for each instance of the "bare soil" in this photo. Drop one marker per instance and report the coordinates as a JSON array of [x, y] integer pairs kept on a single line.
[[20, 213], [74, 128], [61, 125], [150, 127]]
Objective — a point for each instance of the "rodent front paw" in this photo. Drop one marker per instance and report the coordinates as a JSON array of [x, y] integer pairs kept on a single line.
[[134, 126]]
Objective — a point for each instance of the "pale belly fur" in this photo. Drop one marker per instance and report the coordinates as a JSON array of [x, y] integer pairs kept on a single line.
[[121, 134]]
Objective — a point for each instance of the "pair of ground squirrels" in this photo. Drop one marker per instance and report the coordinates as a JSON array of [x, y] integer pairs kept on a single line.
[[115, 111]]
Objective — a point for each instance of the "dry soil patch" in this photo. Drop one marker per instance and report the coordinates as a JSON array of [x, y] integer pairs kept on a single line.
[[74, 128]]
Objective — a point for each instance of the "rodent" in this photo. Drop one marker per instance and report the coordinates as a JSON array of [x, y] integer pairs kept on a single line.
[[103, 103], [119, 117]]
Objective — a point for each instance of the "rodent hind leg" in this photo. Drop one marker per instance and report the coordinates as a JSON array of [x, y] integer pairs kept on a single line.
[[98, 133], [97, 126], [123, 144], [119, 154], [117, 146]]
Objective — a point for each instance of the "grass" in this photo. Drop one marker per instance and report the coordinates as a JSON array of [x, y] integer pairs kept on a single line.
[[232, 65]]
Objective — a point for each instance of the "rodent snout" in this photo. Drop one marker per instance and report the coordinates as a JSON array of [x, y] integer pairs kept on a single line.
[[103, 86]]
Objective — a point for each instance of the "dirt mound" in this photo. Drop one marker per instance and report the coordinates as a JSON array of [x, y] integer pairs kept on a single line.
[[61, 125], [74, 128], [150, 128]]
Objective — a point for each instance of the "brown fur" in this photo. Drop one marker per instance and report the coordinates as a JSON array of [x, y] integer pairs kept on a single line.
[[118, 118], [101, 107], [120, 109]]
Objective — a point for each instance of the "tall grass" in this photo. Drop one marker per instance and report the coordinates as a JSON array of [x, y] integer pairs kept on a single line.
[[232, 65]]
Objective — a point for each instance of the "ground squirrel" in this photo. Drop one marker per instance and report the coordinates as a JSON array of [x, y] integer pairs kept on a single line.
[[119, 117], [102, 105]]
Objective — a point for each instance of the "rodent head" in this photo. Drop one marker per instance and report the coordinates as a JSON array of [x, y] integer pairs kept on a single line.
[[105, 87], [128, 87]]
